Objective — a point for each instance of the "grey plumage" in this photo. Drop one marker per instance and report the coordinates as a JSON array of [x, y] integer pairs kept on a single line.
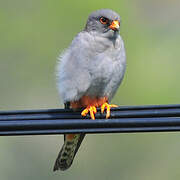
[[94, 64]]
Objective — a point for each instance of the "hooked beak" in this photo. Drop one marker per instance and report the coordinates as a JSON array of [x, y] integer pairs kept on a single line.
[[115, 25]]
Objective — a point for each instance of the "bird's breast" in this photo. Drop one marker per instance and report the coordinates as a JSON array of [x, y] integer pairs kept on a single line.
[[105, 66], [103, 72]]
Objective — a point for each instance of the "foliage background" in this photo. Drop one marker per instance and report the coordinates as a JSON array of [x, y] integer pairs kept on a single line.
[[34, 32]]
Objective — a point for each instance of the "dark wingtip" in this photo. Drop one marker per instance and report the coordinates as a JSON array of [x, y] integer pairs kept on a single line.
[[61, 165], [55, 169]]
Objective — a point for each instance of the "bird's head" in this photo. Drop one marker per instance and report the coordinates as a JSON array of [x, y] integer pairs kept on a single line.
[[104, 22]]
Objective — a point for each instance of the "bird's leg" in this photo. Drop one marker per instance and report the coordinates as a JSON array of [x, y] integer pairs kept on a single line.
[[90, 109], [91, 103], [108, 108]]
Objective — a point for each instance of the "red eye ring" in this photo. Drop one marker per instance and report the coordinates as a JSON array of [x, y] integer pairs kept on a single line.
[[104, 20]]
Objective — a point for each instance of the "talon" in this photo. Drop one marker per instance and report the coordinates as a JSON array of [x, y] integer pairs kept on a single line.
[[113, 105], [103, 107], [91, 109], [85, 112], [94, 109], [92, 112], [108, 109]]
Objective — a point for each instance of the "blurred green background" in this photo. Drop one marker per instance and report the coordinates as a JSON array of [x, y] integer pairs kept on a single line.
[[32, 35]]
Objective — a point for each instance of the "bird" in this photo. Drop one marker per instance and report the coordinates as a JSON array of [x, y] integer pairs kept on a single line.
[[89, 73]]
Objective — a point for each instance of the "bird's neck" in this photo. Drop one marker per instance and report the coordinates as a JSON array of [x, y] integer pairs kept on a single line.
[[105, 43]]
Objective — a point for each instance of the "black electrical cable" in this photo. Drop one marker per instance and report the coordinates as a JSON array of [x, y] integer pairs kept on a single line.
[[153, 118]]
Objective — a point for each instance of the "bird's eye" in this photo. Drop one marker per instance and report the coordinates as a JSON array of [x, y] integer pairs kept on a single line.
[[104, 20]]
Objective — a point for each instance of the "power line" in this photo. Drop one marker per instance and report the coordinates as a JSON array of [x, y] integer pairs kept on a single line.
[[154, 118]]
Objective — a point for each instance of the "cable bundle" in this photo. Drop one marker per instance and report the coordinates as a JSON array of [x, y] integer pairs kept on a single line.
[[154, 118]]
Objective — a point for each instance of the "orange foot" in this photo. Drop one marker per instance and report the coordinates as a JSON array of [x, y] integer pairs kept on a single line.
[[90, 109], [108, 107]]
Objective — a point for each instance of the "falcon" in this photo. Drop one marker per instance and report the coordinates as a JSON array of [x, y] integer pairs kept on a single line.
[[89, 73]]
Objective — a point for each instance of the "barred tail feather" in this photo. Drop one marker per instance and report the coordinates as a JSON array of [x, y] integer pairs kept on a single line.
[[68, 151]]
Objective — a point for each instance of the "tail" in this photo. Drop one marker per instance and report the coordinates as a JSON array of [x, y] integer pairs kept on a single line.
[[68, 151]]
